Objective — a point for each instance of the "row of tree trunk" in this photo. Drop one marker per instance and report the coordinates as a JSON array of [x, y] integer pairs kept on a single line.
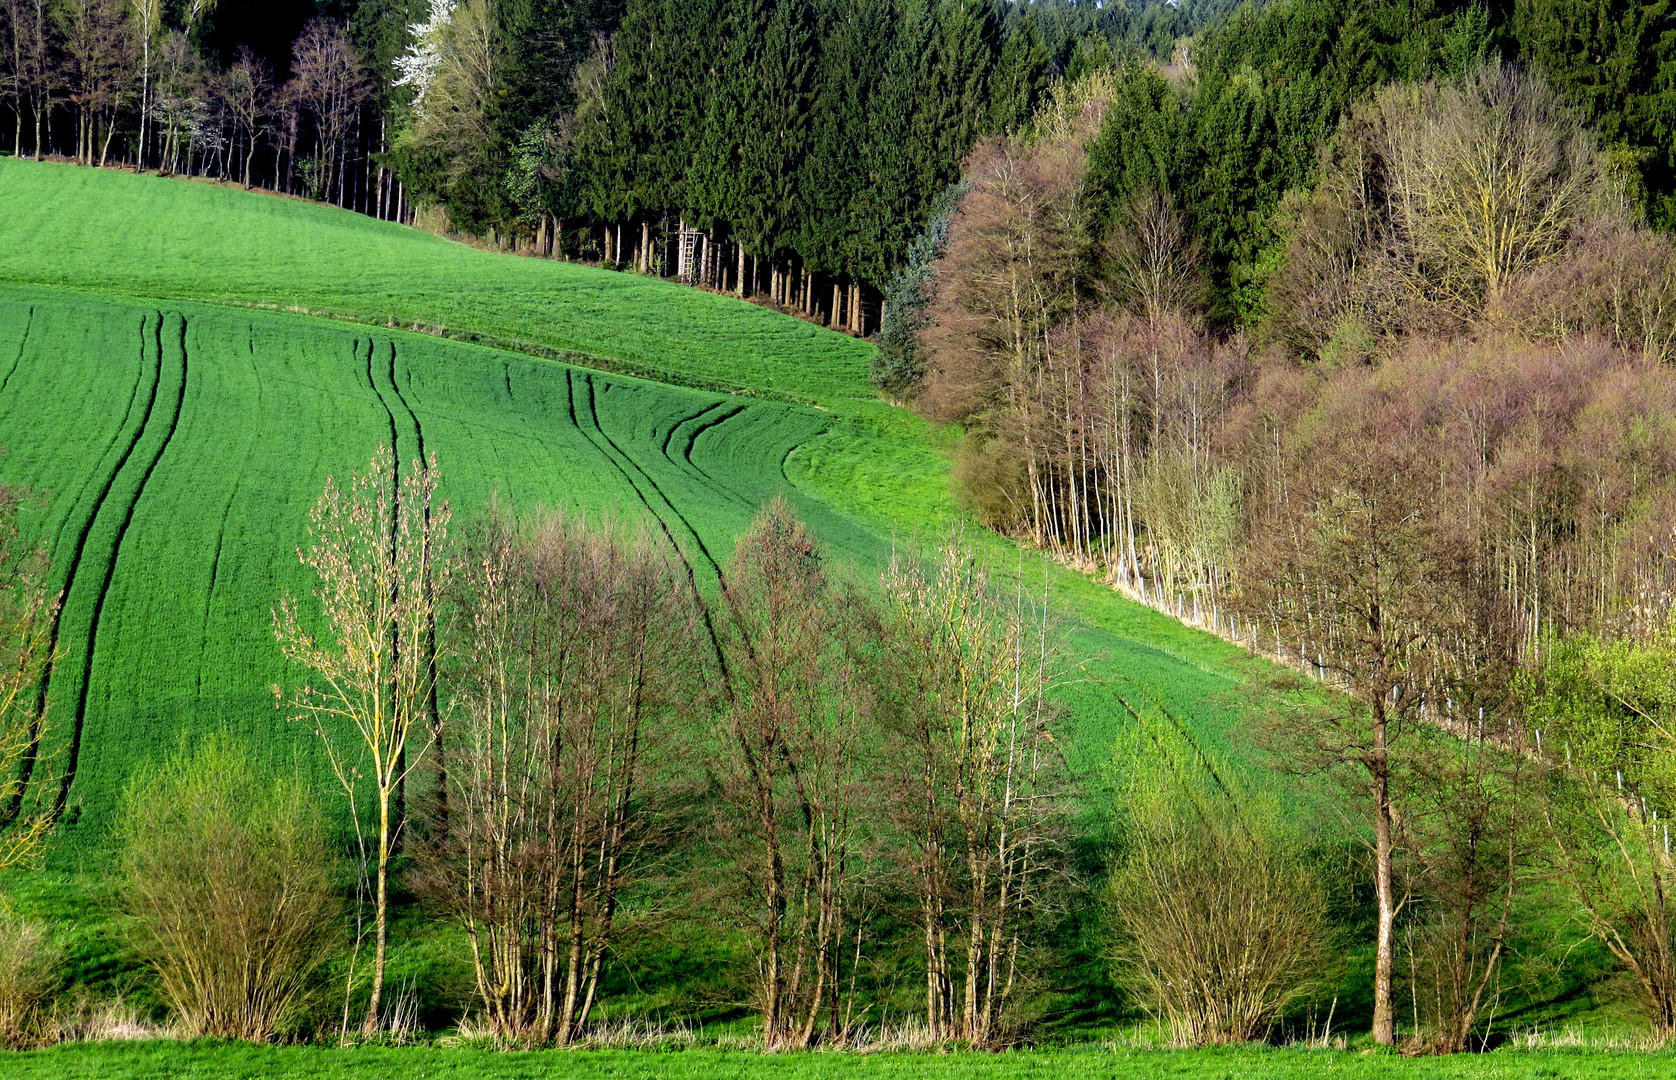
[[708, 259]]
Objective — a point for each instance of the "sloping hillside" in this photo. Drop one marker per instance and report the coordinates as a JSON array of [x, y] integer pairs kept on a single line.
[[178, 445]]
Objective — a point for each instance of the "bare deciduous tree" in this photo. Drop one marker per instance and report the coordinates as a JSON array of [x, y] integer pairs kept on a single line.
[[246, 92], [581, 651], [1156, 262], [979, 783], [377, 548], [794, 771], [1346, 582], [96, 39], [1434, 200], [27, 610], [328, 84]]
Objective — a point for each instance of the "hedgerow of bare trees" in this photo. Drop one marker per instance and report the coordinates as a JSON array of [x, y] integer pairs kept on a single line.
[[579, 653], [1441, 446]]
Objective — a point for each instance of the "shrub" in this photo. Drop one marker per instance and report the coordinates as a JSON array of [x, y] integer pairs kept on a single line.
[[1214, 912], [228, 883], [28, 975]]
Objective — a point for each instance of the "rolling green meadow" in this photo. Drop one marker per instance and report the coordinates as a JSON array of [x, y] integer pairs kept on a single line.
[[176, 445], [183, 365]]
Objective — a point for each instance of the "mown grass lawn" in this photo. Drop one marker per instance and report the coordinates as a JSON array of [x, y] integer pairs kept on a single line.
[[153, 1061]]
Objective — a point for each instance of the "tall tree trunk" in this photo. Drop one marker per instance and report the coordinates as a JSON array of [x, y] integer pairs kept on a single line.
[[739, 282], [381, 910], [110, 130], [1384, 1019]]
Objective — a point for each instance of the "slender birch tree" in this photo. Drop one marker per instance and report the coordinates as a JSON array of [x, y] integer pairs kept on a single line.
[[376, 545], [27, 608], [979, 783]]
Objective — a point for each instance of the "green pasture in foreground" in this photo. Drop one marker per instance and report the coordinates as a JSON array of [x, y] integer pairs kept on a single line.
[[146, 1061], [178, 445]]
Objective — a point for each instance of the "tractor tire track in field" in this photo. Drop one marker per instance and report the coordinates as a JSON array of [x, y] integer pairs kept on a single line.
[[144, 464], [432, 705], [401, 399], [372, 384], [227, 511], [627, 469], [22, 345], [631, 469], [688, 431], [78, 550]]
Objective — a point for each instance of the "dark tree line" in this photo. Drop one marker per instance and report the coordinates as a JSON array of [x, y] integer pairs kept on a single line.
[[790, 148]]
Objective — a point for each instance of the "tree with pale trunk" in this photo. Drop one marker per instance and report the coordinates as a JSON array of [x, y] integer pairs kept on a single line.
[[1434, 200], [28, 610], [146, 27], [1359, 585], [454, 66], [246, 92], [978, 783], [328, 84], [377, 548]]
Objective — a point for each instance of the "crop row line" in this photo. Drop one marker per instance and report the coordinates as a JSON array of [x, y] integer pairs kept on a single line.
[[78, 549], [126, 508], [628, 469]]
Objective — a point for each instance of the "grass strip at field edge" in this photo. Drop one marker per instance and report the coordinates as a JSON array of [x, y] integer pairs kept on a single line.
[[234, 1061]]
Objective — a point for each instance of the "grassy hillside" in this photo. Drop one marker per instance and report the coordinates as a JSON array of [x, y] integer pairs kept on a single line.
[[111, 232], [176, 450], [178, 444]]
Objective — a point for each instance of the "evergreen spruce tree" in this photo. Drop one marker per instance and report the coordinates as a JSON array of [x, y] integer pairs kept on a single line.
[[1020, 76], [834, 175]]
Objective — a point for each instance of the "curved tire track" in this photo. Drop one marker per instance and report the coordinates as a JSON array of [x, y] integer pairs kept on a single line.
[[227, 510], [158, 431], [685, 435], [22, 347], [631, 469], [78, 550], [626, 467]]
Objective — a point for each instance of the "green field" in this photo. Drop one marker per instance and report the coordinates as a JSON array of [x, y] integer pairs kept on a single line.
[[178, 445], [174, 448], [177, 420]]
